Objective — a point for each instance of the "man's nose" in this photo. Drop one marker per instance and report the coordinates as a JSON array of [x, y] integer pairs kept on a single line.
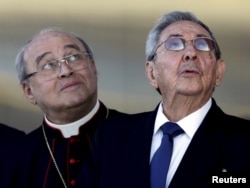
[[190, 53], [64, 69]]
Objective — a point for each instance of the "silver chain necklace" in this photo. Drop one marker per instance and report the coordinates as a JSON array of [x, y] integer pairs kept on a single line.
[[52, 156]]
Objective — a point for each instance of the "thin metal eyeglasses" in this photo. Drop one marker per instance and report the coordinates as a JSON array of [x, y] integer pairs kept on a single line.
[[203, 44], [51, 68]]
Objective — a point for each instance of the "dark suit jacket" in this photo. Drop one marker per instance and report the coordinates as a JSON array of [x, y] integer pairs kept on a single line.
[[10, 138], [122, 151]]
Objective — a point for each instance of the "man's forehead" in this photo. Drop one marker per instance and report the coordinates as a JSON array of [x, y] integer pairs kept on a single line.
[[52, 36], [185, 26], [182, 28], [51, 41]]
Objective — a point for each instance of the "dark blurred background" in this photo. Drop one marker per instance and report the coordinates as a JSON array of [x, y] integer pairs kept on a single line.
[[117, 31]]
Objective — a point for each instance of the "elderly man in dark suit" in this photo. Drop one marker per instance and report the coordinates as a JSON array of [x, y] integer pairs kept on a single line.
[[187, 141]]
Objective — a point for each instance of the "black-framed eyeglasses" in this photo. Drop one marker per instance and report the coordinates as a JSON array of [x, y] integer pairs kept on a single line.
[[203, 44], [49, 69]]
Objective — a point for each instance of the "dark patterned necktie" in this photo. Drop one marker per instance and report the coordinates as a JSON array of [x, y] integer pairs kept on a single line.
[[162, 157]]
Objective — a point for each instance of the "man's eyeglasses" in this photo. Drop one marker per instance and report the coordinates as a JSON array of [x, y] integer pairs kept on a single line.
[[203, 44], [50, 69]]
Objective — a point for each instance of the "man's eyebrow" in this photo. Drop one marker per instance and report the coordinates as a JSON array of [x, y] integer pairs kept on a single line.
[[175, 35], [202, 35], [40, 57], [74, 46], [178, 35]]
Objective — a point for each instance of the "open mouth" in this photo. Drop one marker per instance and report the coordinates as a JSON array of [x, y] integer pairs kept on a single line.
[[190, 71]]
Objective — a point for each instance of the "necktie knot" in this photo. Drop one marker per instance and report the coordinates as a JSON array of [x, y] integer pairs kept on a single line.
[[172, 129]]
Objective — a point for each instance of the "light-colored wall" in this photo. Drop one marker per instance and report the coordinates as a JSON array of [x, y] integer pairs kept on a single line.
[[117, 31]]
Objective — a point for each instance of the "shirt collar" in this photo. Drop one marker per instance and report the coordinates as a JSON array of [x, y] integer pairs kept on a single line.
[[189, 124], [72, 129]]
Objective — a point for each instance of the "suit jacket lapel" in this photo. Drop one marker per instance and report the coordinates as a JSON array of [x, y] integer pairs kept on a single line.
[[203, 154], [137, 150]]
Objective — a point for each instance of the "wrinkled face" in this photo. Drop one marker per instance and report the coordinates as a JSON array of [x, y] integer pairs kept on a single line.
[[187, 72], [69, 88]]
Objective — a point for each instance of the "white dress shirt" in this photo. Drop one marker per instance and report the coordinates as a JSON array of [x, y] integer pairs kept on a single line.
[[72, 129], [189, 124]]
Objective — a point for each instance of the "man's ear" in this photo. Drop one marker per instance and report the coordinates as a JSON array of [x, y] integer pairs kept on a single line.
[[150, 73], [28, 92], [221, 67], [93, 66]]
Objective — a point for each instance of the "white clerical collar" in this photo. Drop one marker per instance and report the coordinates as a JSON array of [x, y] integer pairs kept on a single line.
[[72, 129]]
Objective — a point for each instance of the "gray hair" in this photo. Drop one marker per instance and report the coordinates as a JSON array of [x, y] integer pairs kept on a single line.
[[20, 63], [165, 21]]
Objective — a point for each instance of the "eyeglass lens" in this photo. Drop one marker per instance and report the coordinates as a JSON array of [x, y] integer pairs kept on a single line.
[[75, 62], [177, 43]]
